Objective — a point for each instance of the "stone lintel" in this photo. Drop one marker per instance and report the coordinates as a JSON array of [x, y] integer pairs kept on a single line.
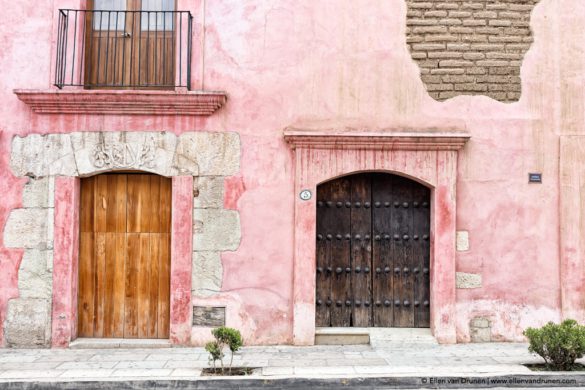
[[80, 154]]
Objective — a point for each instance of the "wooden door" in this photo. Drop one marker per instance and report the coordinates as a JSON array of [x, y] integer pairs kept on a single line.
[[124, 256], [373, 252], [130, 44]]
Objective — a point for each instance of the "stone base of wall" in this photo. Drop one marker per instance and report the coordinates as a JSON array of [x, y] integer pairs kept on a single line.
[[480, 330], [28, 323]]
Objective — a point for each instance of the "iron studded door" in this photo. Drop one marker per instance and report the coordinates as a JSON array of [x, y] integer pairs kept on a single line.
[[373, 252]]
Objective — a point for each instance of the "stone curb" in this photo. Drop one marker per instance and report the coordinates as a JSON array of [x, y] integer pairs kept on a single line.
[[410, 382]]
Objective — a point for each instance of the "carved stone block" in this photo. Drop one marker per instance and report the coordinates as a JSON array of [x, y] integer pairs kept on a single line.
[[215, 154]]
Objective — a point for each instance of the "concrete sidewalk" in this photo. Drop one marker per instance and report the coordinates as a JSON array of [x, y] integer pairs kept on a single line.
[[418, 359]]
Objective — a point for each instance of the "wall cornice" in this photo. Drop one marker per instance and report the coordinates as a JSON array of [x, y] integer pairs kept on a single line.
[[140, 102], [392, 139]]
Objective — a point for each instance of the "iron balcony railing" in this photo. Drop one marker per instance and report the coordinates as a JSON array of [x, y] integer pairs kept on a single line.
[[111, 49]]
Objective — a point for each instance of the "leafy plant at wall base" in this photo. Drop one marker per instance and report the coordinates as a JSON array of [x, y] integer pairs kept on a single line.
[[224, 337], [215, 352], [558, 344]]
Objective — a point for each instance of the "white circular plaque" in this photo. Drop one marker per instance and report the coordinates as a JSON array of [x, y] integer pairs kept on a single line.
[[305, 194]]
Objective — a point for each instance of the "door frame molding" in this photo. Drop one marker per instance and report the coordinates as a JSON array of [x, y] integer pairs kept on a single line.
[[66, 257], [423, 154]]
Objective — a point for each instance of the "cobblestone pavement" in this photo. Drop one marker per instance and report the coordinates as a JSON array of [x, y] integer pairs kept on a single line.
[[384, 357]]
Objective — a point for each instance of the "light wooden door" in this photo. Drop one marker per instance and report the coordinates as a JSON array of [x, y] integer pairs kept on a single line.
[[130, 44], [124, 256]]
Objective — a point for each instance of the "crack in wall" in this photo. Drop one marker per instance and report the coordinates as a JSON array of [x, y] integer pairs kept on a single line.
[[473, 47]]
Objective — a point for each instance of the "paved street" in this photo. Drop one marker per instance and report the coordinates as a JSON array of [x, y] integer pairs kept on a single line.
[[388, 355]]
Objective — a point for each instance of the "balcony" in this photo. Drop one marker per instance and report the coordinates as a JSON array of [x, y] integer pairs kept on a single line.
[[109, 49], [124, 62]]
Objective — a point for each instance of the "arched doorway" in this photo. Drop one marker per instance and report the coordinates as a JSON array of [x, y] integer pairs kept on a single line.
[[124, 256], [373, 252]]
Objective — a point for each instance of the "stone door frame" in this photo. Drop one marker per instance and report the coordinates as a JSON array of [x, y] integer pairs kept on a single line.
[[428, 157], [47, 224], [66, 257]]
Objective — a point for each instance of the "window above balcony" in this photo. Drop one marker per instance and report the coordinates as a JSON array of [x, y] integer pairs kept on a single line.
[[124, 57]]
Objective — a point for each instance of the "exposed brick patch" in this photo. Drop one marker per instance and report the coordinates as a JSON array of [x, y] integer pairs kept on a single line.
[[470, 47]]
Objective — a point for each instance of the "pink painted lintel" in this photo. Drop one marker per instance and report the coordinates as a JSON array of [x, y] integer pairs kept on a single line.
[[389, 139], [122, 102]]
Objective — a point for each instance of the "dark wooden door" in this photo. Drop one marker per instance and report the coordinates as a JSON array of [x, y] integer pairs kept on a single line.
[[124, 256], [373, 251], [130, 44]]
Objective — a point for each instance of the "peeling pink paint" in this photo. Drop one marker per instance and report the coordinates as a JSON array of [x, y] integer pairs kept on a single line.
[[234, 188], [11, 189], [65, 261], [181, 259], [9, 263]]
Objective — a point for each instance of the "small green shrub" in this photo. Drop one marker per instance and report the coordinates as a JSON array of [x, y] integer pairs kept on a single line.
[[224, 337], [558, 344], [228, 336], [215, 352]]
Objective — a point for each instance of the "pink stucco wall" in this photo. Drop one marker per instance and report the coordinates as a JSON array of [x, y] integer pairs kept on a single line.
[[181, 260], [294, 62], [65, 262]]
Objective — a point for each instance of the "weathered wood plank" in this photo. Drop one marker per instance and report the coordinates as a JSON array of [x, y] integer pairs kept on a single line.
[[85, 302], [165, 204], [164, 285], [118, 274], [383, 258], [340, 252], [208, 316], [421, 256], [100, 284], [101, 204], [154, 205], [403, 314], [87, 205], [131, 285], [153, 280], [143, 291], [134, 204], [323, 276], [361, 250]]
